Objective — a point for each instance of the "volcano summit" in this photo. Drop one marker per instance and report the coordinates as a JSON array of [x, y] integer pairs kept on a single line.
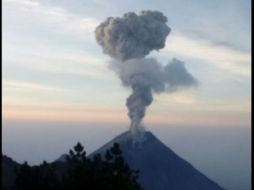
[[159, 167]]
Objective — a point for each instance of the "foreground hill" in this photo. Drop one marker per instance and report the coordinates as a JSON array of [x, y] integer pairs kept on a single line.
[[8, 173]]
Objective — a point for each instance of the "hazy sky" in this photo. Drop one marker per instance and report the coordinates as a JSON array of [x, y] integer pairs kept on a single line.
[[223, 154], [53, 69], [57, 88]]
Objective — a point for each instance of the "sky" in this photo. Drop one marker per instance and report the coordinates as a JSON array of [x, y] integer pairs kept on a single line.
[[57, 87], [54, 70]]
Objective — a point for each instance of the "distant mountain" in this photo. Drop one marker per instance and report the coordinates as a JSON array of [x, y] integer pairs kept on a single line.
[[8, 172], [160, 168]]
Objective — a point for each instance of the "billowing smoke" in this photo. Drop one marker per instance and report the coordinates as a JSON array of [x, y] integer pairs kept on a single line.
[[133, 36], [128, 40], [147, 75]]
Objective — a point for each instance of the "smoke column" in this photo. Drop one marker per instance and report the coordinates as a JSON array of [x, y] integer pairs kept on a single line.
[[128, 40]]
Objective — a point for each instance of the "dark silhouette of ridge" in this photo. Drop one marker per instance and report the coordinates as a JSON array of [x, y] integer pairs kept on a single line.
[[8, 172]]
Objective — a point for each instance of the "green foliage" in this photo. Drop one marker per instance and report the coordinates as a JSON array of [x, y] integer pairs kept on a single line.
[[108, 172]]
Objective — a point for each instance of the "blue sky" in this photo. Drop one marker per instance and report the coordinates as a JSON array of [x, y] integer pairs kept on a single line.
[[53, 69]]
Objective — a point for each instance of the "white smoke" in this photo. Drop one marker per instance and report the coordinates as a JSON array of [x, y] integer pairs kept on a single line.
[[128, 40]]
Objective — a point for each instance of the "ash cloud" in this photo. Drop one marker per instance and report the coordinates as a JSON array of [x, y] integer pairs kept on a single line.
[[133, 36], [128, 40], [176, 76], [149, 72], [147, 76]]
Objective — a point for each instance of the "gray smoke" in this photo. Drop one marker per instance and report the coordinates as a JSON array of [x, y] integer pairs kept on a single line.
[[147, 75], [128, 40], [133, 36]]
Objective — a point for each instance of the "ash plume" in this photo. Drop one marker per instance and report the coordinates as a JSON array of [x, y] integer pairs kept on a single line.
[[128, 40], [132, 36]]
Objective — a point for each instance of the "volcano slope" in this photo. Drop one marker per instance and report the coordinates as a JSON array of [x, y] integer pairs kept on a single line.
[[159, 167]]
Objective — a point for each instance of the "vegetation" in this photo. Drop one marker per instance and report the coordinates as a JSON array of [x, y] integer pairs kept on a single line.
[[109, 172]]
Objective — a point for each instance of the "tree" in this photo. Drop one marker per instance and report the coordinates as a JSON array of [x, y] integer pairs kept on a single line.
[[29, 178], [40, 177], [122, 177], [77, 175], [108, 172]]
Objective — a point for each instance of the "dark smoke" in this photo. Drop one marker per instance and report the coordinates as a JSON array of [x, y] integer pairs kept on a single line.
[[128, 40]]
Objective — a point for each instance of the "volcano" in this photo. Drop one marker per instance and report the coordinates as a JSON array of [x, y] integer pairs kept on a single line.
[[159, 167]]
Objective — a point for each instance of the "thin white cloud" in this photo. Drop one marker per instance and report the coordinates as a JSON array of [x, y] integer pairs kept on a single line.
[[182, 97], [56, 15], [191, 102], [74, 63], [29, 86], [223, 57], [24, 3], [61, 60]]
